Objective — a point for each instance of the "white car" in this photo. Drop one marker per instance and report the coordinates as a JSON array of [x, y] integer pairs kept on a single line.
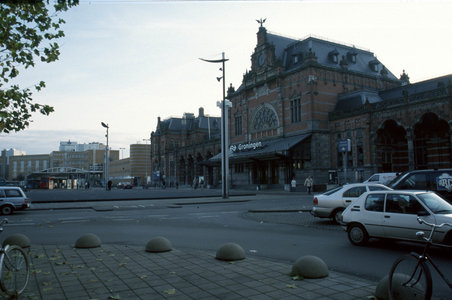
[[12, 198], [332, 203], [393, 215]]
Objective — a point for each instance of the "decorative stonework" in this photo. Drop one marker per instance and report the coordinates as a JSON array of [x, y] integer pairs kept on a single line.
[[264, 119]]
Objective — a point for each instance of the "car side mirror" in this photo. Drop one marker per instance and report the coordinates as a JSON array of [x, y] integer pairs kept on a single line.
[[422, 213]]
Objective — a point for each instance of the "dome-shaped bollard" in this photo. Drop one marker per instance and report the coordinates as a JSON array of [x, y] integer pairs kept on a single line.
[[310, 267], [17, 239], [159, 244], [400, 292], [230, 251], [88, 241]]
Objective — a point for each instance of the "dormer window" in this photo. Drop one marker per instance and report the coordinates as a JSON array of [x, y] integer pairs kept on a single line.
[[351, 55], [296, 58], [333, 56], [374, 65]]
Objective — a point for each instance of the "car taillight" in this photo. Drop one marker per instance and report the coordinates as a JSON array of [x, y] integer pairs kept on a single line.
[[316, 201]]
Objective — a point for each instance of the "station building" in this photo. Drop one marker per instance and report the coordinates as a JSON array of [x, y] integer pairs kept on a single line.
[[303, 97]]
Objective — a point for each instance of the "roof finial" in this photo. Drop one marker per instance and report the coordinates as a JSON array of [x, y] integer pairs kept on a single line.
[[261, 21]]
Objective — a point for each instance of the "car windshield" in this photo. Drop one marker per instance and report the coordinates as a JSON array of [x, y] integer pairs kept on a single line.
[[436, 204], [395, 180]]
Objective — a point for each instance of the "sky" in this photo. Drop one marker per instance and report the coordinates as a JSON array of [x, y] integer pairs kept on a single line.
[[126, 63]]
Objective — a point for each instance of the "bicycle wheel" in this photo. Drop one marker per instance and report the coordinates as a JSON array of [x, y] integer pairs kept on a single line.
[[14, 271], [409, 278]]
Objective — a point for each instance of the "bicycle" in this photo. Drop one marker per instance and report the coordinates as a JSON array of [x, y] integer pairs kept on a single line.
[[410, 276], [14, 266]]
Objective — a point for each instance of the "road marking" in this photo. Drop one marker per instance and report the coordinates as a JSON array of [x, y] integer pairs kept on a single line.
[[202, 217], [74, 221], [19, 224], [229, 212], [196, 214], [122, 219], [71, 218]]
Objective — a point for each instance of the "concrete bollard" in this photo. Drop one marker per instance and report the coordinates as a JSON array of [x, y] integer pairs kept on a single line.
[[17, 239], [159, 244], [310, 267], [88, 241], [230, 252]]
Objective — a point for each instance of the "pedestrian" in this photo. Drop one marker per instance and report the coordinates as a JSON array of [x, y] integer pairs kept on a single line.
[[109, 185], [195, 183], [309, 182], [177, 184], [294, 185]]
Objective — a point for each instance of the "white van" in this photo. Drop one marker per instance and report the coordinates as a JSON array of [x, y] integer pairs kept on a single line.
[[381, 177]]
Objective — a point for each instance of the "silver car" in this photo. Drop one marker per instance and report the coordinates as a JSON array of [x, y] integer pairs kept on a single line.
[[393, 215], [332, 203], [11, 199]]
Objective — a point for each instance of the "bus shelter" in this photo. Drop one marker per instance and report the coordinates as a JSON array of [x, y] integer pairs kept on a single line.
[[60, 177]]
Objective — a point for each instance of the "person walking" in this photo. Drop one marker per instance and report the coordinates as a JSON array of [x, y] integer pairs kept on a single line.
[[309, 182], [294, 185], [109, 185]]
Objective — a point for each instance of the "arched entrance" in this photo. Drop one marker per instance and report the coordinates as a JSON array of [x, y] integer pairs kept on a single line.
[[431, 143], [392, 148]]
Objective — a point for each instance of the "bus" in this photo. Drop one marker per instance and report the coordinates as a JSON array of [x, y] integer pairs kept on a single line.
[[47, 183]]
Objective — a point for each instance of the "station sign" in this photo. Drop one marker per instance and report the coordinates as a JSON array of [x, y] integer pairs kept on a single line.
[[242, 147], [345, 145]]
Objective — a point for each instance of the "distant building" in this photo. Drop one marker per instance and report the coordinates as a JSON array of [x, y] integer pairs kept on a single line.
[[180, 147], [69, 146], [4, 160]]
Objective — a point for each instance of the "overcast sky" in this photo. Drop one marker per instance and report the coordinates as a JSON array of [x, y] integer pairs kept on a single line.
[[125, 63]]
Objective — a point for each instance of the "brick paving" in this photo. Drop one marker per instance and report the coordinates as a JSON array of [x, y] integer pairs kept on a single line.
[[129, 272]]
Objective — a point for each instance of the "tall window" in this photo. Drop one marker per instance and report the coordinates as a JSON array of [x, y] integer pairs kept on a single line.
[[295, 110], [238, 125]]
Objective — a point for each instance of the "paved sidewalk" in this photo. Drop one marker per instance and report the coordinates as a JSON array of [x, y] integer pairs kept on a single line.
[[129, 272]]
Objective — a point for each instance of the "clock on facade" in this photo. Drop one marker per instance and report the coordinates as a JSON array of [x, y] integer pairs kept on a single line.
[[261, 60]]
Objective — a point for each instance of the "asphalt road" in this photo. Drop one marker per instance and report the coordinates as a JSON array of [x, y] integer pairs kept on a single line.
[[98, 194]]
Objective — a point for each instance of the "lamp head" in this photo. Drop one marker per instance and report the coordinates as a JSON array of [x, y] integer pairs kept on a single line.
[[104, 125], [219, 79]]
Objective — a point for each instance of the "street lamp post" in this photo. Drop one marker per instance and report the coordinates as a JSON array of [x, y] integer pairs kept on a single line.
[[107, 159], [224, 131], [146, 158]]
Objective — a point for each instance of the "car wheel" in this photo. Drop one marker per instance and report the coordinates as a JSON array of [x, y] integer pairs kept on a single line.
[[7, 210], [337, 215], [357, 235]]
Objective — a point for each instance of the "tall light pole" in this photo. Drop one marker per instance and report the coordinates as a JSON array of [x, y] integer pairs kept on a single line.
[[224, 131], [107, 159], [146, 158], [122, 164]]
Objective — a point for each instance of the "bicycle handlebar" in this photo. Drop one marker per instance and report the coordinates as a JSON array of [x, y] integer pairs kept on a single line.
[[420, 220]]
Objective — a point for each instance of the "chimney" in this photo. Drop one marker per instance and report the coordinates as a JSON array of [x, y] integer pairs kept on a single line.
[[201, 112]]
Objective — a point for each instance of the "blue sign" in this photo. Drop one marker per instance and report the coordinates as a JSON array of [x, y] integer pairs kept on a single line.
[[444, 182], [155, 175], [344, 145]]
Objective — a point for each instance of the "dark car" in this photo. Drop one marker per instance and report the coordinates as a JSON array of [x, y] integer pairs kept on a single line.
[[439, 181], [127, 185]]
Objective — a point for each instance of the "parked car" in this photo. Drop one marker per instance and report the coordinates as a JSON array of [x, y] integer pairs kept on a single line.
[[393, 215], [381, 178], [12, 198], [120, 185], [127, 185], [439, 181], [331, 204]]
